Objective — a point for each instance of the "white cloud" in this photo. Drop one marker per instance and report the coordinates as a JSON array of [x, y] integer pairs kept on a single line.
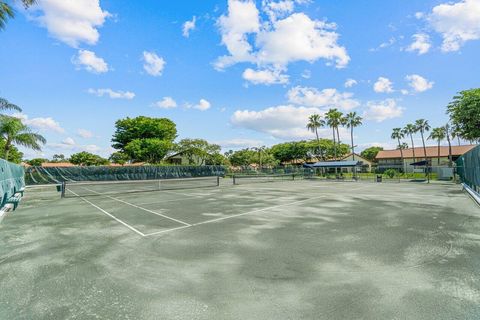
[[284, 122], [419, 83], [166, 103], [85, 133], [383, 85], [456, 22], [153, 64], [72, 22], [69, 141], [265, 76], [421, 43], [350, 83], [89, 61], [277, 9], [240, 143], [382, 110], [43, 124], [312, 97], [306, 74], [189, 26], [202, 105], [92, 148], [384, 45], [112, 94], [276, 43]]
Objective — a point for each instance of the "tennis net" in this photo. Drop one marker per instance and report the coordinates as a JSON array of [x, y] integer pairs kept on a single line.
[[246, 179], [99, 188]]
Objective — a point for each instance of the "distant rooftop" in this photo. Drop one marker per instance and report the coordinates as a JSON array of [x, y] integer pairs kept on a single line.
[[432, 152]]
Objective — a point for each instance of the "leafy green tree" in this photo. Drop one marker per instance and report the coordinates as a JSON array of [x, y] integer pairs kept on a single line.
[[353, 120], [422, 127], [409, 130], [371, 153], [130, 129], [6, 105], [58, 158], [13, 131], [464, 112], [151, 150], [291, 151], [6, 10], [397, 134], [438, 134], [87, 159], [216, 159], [197, 151], [334, 120], [242, 157], [119, 158], [14, 155], [315, 122], [37, 162]]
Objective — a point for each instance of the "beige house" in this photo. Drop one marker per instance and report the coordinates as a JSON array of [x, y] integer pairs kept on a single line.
[[366, 164], [392, 159]]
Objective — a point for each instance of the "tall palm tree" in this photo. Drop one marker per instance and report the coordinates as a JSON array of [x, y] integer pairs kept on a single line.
[[438, 134], [423, 126], [409, 130], [6, 11], [353, 120], [6, 105], [315, 122], [397, 134], [13, 131], [448, 134], [333, 117]]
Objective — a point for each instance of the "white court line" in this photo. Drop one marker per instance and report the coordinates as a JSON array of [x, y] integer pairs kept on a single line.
[[234, 216], [138, 207], [109, 214]]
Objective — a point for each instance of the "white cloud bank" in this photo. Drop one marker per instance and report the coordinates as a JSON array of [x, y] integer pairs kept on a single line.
[[421, 43], [457, 23], [40, 123], [72, 21], [266, 77], [278, 41], [380, 111], [153, 64], [88, 60], [326, 98], [189, 26], [112, 94], [166, 103], [84, 133], [383, 85], [419, 83]]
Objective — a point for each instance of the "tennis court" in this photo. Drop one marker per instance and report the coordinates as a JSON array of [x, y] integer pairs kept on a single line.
[[289, 249]]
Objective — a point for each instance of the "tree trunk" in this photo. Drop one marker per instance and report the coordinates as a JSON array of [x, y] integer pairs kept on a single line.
[[318, 145], [7, 149], [424, 148], [449, 150], [438, 153], [338, 136], [334, 144], [413, 147], [401, 154], [353, 148]]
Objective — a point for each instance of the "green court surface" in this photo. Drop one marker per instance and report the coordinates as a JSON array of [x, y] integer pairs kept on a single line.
[[280, 250]]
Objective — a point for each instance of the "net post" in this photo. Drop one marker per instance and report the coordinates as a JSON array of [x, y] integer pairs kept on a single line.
[[293, 176], [63, 187], [234, 180], [218, 181]]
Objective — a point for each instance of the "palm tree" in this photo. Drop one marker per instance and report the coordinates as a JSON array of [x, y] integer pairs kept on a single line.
[[438, 134], [398, 134], [447, 135], [315, 121], [334, 120], [410, 129], [352, 121], [5, 105], [422, 127], [13, 131], [6, 11]]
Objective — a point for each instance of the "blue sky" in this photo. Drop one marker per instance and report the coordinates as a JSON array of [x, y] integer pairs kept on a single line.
[[237, 73]]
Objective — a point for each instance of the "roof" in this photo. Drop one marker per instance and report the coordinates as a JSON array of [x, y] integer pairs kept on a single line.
[[334, 164], [57, 164], [357, 157], [432, 152]]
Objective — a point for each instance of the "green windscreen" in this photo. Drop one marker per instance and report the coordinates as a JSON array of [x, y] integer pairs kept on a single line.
[[11, 179], [468, 168], [55, 175]]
